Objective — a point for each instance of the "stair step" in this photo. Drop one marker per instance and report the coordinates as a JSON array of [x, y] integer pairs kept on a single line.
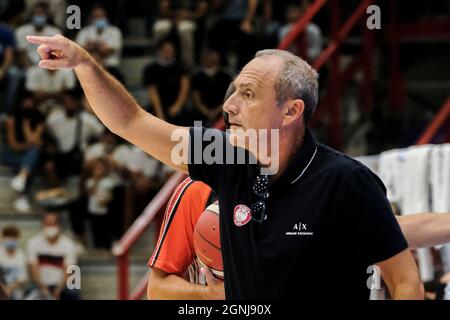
[[100, 282]]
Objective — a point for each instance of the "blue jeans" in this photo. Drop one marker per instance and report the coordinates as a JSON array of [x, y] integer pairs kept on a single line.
[[9, 88], [21, 160]]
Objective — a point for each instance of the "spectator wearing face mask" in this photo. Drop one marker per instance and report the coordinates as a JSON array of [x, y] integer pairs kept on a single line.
[[12, 264], [209, 85], [49, 255], [103, 41], [167, 84], [38, 26], [56, 8]]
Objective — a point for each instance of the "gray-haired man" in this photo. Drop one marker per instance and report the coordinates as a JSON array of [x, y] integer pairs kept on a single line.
[[317, 223]]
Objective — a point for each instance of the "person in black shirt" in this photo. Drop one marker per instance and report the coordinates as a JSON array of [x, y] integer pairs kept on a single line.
[[24, 128], [208, 87], [7, 44], [168, 85], [316, 225]]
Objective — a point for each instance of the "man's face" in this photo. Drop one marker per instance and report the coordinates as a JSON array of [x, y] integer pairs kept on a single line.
[[39, 11], [98, 14], [211, 60], [50, 220], [71, 105], [39, 18], [253, 104], [167, 51], [50, 227]]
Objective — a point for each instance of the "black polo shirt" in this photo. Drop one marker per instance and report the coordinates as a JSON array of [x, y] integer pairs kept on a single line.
[[328, 220]]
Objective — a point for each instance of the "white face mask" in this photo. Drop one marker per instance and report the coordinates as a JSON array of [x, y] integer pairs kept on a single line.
[[211, 71], [50, 232]]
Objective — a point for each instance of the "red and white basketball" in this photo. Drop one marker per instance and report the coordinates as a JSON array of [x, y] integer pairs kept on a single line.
[[207, 240]]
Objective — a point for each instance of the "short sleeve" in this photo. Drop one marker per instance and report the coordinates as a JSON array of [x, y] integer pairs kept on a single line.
[[20, 38], [22, 276], [32, 255], [33, 81], [70, 257], [69, 79], [174, 251], [83, 37], [96, 128], [366, 215], [115, 41]]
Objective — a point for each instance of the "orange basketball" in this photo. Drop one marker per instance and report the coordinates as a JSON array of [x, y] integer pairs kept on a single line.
[[207, 240]]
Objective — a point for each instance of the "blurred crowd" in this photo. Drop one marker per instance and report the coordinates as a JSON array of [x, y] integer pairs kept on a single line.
[[49, 132], [40, 271]]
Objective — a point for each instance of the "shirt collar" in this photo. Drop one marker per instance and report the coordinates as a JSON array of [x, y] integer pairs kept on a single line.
[[300, 162]]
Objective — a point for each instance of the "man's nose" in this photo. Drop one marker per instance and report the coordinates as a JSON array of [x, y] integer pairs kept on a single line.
[[230, 107]]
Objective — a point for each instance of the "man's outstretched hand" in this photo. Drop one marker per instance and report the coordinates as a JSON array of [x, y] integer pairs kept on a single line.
[[58, 52]]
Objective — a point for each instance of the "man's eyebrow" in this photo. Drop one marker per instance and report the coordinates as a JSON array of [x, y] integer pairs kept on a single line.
[[246, 85]]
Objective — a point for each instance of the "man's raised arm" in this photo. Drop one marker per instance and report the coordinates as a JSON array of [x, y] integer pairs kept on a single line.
[[110, 101]]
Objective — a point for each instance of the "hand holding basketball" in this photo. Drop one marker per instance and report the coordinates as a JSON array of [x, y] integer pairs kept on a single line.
[[215, 287], [207, 240]]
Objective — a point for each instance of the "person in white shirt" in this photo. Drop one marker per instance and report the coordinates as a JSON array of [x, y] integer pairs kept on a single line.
[[102, 40], [56, 8], [71, 129], [12, 264], [49, 84], [38, 26], [100, 189], [50, 253], [111, 148]]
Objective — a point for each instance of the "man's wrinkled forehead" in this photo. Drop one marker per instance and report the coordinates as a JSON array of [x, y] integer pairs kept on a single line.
[[257, 73]]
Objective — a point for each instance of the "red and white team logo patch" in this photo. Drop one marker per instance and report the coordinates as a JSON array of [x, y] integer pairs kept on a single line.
[[242, 215]]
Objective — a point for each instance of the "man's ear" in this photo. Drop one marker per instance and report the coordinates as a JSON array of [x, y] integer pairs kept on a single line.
[[293, 110]]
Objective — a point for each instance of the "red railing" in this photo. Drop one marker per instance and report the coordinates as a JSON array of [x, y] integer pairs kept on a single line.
[[434, 126], [341, 35], [300, 26]]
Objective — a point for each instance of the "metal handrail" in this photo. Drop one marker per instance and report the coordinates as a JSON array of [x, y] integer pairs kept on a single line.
[[435, 124], [342, 34]]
